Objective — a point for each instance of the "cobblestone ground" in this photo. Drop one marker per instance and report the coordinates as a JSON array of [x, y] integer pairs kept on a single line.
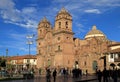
[[61, 79]]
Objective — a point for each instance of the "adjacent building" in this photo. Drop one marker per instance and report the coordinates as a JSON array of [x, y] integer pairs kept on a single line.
[[114, 55], [22, 62]]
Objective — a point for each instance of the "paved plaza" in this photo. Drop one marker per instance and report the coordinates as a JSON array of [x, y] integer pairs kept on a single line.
[[89, 78]]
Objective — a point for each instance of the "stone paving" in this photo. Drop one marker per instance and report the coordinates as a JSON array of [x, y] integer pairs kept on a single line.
[[90, 78]]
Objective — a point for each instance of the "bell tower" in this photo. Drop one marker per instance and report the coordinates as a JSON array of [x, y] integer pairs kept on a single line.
[[63, 39], [43, 27]]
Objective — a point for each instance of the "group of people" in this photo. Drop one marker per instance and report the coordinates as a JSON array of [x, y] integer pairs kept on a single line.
[[76, 73], [104, 75], [108, 74], [48, 75]]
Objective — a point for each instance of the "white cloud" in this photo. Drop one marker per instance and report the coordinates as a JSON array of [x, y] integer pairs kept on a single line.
[[78, 6], [29, 10], [95, 11], [28, 16], [23, 18], [5, 4], [28, 24]]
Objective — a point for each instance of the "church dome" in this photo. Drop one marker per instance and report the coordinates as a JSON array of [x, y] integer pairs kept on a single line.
[[94, 33]]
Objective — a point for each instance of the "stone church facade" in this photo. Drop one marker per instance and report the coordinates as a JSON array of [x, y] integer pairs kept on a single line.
[[57, 47]]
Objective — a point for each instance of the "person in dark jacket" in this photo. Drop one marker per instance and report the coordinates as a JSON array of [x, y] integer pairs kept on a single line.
[[105, 75], [48, 75], [115, 75], [99, 74], [54, 75]]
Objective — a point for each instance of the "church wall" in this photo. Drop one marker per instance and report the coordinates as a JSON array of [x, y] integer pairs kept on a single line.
[[62, 49]]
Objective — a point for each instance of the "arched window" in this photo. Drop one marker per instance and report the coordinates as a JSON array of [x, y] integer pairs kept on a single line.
[[40, 31], [58, 38], [111, 55], [59, 24], [66, 24], [59, 47], [85, 63]]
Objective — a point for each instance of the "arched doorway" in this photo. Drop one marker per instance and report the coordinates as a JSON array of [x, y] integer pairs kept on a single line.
[[95, 65]]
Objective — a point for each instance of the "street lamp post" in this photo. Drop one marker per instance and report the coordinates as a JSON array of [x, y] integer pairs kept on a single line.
[[6, 57], [6, 53], [29, 41]]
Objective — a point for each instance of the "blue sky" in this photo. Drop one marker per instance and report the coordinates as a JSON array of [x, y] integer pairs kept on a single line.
[[19, 18]]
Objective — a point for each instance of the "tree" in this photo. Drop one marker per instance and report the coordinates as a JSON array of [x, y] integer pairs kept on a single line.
[[2, 62]]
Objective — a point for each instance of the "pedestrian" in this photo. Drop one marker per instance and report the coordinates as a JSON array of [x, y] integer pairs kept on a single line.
[[105, 75], [54, 75], [86, 72], [64, 72], [99, 74], [48, 75], [115, 75]]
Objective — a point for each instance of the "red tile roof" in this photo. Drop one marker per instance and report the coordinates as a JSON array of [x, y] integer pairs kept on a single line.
[[22, 57], [115, 50]]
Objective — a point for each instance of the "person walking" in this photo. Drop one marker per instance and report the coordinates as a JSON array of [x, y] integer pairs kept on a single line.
[[54, 75], [48, 75], [99, 74], [115, 75], [105, 75]]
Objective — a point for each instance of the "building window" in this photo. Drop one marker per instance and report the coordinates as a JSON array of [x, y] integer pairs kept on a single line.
[[116, 56], [59, 24], [59, 47], [85, 63], [28, 61], [58, 38], [40, 31], [39, 43], [111, 56], [67, 37], [66, 24]]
